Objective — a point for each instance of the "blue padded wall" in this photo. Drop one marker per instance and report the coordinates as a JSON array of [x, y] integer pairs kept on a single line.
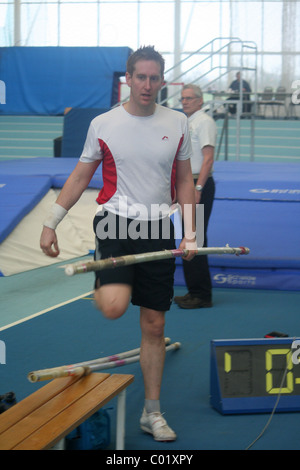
[[46, 80]]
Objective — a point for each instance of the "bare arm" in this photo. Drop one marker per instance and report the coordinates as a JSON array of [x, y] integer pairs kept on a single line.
[[77, 182], [186, 198], [73, 188]]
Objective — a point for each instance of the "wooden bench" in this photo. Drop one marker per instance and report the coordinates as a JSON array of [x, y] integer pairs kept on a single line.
[[44, 418]]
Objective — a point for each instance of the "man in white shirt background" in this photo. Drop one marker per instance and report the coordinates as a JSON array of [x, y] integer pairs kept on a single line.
[[203, 133]]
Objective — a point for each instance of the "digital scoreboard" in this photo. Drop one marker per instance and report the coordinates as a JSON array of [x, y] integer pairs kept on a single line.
[[246, 375]]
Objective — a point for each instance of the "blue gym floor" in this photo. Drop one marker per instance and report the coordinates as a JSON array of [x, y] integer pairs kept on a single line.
[[48, 320], [59, 331]]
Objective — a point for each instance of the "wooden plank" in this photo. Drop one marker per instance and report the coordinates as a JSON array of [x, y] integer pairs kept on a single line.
[[49, 414], [17, 412], [76, 413], [58, 394]]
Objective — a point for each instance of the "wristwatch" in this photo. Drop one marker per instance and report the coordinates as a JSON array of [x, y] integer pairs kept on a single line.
[[198, 187]]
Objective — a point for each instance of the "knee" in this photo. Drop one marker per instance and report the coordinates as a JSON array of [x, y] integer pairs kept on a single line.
[[154, 325], [110, 307]]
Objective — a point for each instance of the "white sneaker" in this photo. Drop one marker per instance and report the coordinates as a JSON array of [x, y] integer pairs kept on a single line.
[[155, 424]]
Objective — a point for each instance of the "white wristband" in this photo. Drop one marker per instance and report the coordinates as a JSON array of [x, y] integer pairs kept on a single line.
[[57, 213], [191, 245]]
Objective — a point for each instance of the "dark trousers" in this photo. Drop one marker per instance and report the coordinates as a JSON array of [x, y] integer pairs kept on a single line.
[[196, 271]]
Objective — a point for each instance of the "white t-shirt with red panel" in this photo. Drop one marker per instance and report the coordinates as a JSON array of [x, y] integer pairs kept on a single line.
[[138, 159]]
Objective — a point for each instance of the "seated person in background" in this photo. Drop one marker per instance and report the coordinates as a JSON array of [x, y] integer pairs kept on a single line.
[[235, 88]]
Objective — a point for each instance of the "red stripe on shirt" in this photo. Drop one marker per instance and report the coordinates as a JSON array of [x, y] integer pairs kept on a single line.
[[109, 174], [173, 174]]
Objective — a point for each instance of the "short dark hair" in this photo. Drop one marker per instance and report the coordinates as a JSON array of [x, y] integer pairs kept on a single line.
[[145, 53]]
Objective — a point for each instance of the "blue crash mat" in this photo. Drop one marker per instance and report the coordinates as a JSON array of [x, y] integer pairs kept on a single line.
[[23, 183], [256, 205], [259, 191], [18, 196], [58, 169], [270, 229]]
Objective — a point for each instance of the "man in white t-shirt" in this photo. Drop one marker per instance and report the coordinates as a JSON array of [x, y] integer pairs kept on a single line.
[[145, 152], [203, 132]]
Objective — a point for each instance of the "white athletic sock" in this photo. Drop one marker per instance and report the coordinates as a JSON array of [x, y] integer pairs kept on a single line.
[[152, 406]]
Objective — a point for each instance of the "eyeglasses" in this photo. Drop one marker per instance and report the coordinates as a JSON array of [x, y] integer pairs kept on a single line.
[[188, 98]]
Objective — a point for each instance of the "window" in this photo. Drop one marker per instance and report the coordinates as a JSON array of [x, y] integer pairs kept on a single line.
[[271, 25]]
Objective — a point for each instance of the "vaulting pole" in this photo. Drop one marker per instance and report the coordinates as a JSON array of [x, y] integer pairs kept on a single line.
[[109, 263], [86, 368]]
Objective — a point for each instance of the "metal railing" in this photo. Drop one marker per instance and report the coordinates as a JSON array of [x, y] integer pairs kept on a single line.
[[217, 48]]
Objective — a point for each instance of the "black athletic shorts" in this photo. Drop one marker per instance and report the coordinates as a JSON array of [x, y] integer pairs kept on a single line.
[[152, 282]]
